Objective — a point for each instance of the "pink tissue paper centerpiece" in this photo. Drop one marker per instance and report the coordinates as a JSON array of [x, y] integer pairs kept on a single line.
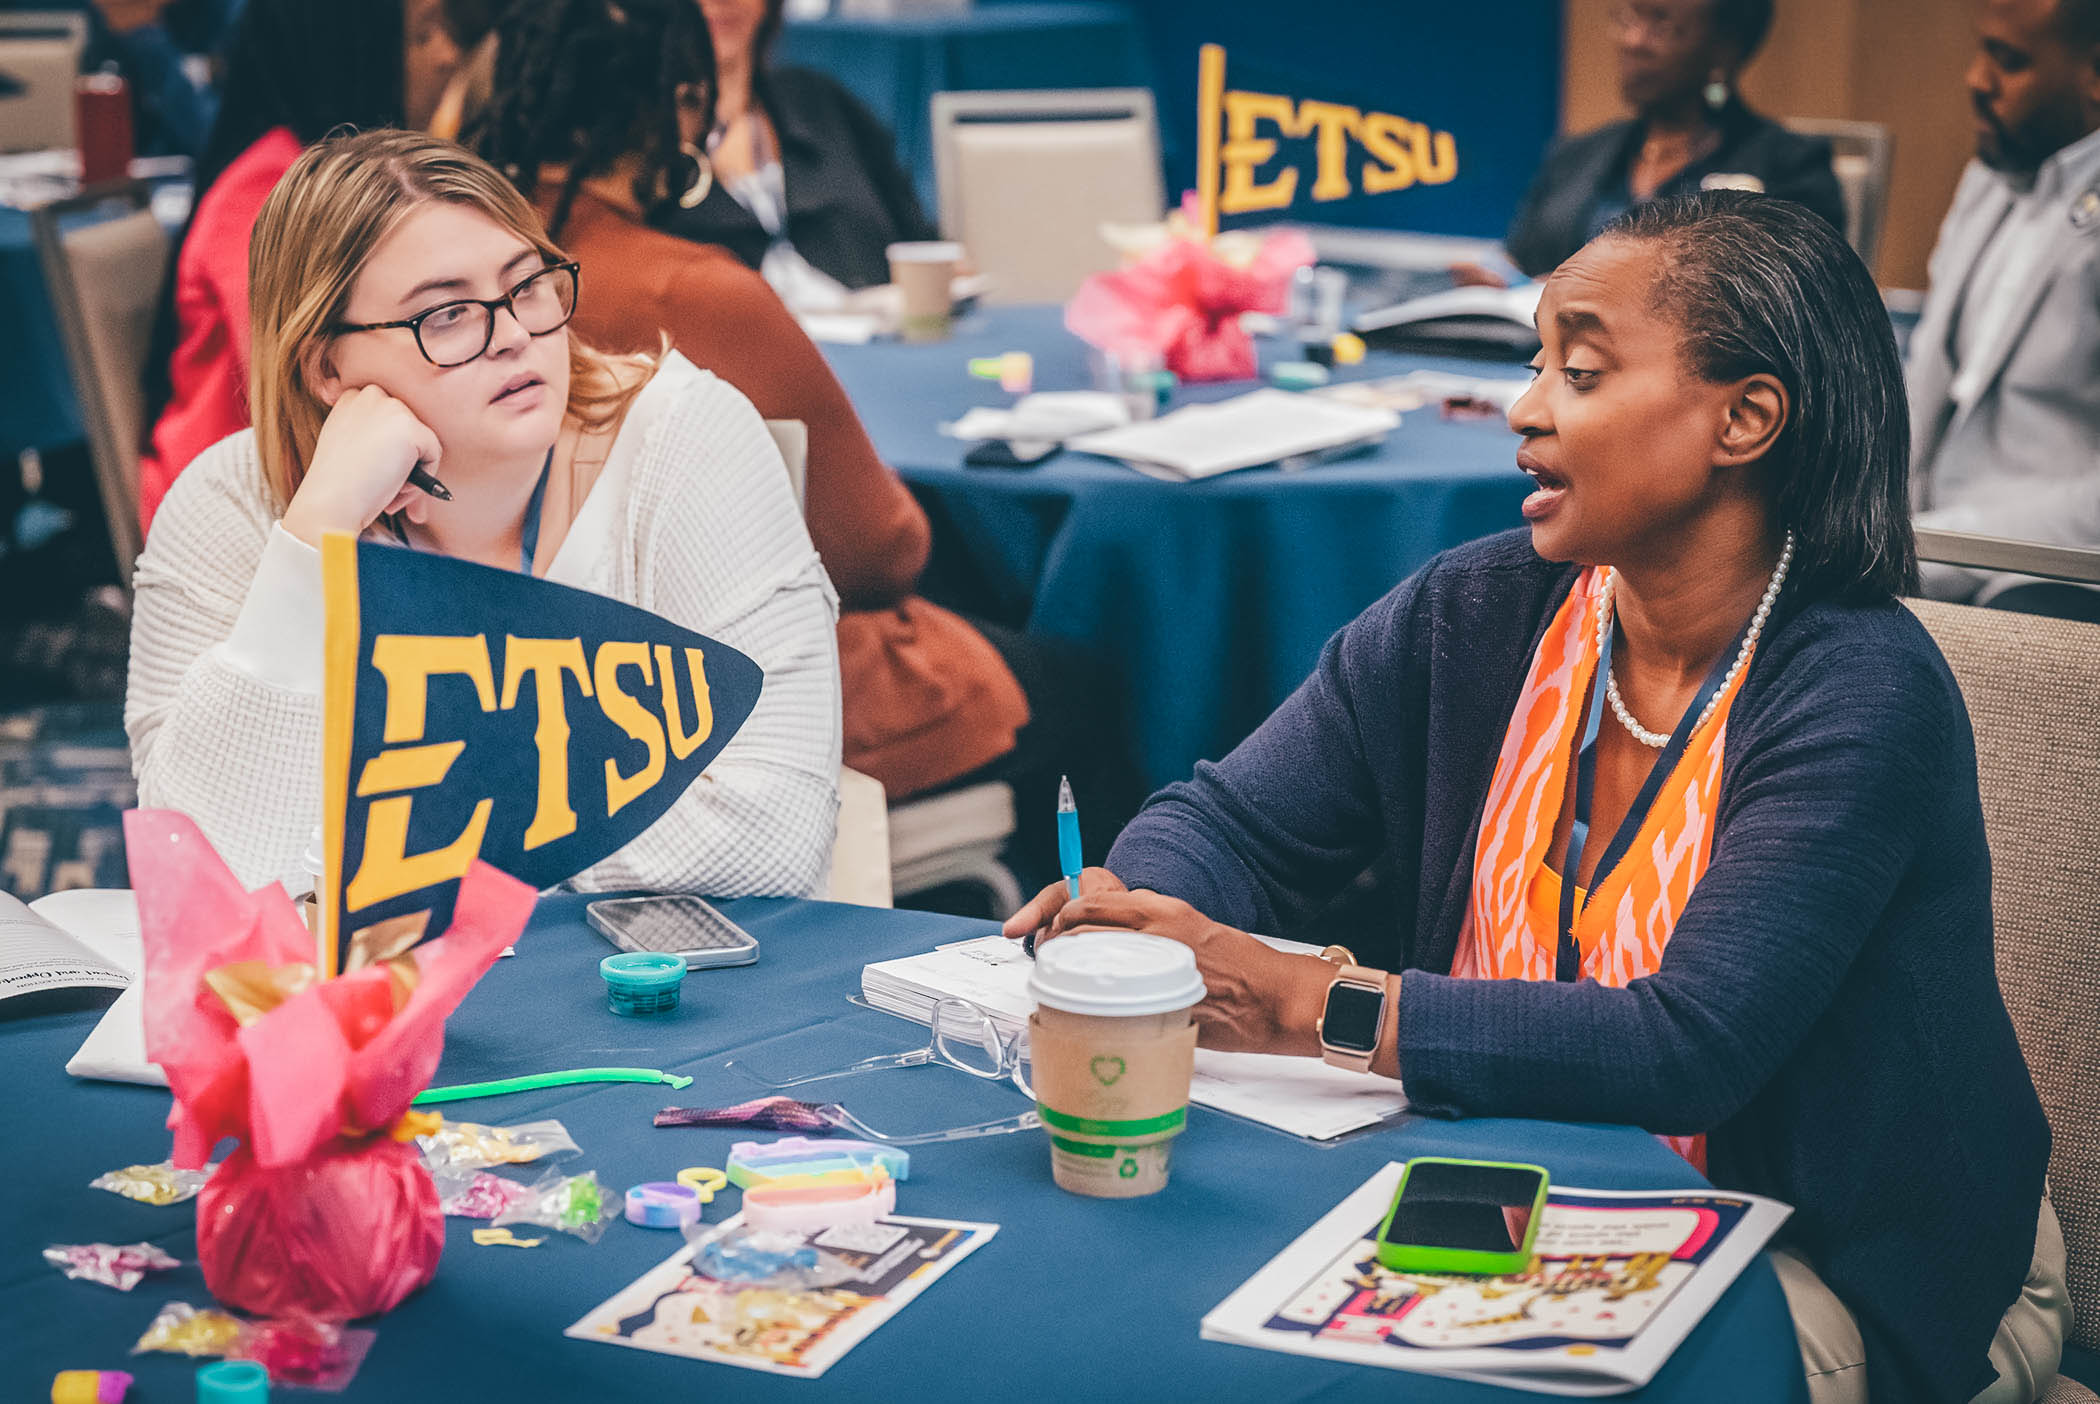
[[1181, 299], [325, 1210]]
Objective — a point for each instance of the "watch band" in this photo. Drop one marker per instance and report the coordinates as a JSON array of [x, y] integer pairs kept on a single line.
[[1355, 977]]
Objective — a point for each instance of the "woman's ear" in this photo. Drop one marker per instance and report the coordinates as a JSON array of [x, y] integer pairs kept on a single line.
[[317, 367], [1756, 416]]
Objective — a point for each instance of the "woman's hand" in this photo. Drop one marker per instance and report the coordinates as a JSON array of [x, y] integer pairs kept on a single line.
[[360, 467], [1258, 1000], [1035, 918]]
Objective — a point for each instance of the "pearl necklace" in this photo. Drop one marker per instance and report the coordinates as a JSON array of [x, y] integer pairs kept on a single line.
[[1656, 740]]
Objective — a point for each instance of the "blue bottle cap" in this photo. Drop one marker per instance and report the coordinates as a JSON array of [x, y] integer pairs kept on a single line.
[[642, 982], [233, 1382]]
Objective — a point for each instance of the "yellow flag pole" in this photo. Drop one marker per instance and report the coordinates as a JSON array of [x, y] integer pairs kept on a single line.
[[1210, 102]]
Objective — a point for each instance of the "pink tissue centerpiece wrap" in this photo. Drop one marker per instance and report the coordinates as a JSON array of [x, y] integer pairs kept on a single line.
[[1181, 300], [325, 1210]]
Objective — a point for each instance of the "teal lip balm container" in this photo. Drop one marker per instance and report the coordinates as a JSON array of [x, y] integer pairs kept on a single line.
[[642, 982]]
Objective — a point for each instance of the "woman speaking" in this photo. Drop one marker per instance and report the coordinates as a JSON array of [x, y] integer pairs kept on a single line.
[[1675, 807]]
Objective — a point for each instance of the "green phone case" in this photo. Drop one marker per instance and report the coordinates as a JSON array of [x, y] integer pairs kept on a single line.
[[1422, 1257]]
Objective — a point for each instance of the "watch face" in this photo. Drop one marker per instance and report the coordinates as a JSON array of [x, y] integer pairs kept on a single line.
[[1352, 1017]]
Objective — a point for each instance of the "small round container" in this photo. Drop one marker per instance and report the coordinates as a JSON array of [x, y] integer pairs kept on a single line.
[[642, 982], [663, 1204], [233, 1382]]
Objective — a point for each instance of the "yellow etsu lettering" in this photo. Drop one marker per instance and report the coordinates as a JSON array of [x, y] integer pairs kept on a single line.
[[631, 717], [1399, 152], [546, 660], [386, 869]]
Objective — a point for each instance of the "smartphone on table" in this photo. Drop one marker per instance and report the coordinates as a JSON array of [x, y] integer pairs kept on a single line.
[[1463, 1216], [678, 925]]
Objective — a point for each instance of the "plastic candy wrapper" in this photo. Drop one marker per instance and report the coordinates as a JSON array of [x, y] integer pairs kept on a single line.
[[325, 1210], [478, 1195], [303, 1353], [763, 1113], [120, 1267], [575, 1204], [468, 1145], [752, 1257], [181, 1329], [154, 1184], [1181, 300]]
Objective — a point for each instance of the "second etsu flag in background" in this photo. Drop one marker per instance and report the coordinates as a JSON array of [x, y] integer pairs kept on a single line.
[[476, 712]]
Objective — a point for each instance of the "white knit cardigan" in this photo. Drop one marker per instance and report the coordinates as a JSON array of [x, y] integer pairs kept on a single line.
[[692, 518]]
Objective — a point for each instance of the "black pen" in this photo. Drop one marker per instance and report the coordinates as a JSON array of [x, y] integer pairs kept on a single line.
[[419, 477]]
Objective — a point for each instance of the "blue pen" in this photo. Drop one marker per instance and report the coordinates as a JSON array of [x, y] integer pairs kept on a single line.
[[1068, 856]]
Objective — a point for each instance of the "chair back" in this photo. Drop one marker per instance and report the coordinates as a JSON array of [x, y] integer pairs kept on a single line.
[[1862, 157], [1027, 179], [104, 276], [791, 437], [39, 59], [2032, 686]]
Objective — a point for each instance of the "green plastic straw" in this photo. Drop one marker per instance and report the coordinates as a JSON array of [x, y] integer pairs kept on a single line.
[[570, 1078]]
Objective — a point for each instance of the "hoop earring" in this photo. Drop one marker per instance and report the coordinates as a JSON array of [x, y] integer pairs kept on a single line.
[[1716, 91], [703, 176]]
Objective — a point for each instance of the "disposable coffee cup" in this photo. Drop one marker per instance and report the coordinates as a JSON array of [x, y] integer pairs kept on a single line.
[[923, 272], [1112, 1048]]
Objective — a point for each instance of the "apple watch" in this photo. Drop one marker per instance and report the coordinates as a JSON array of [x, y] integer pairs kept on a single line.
[[1355, 1012]]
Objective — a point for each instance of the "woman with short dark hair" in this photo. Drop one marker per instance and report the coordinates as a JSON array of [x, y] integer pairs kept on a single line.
[[1691, 130], [1760, 929]]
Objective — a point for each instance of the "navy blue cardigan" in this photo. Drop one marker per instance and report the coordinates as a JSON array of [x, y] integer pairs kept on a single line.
[[1827, 1011]]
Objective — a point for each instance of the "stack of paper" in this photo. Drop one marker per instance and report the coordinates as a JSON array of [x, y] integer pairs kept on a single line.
[[1303, 1096], [1265, 426]]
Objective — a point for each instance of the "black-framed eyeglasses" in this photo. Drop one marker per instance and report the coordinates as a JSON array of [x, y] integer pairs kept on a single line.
[[454, 333]]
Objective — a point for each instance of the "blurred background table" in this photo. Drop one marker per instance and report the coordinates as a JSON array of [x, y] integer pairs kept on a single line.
[[1211, 599]]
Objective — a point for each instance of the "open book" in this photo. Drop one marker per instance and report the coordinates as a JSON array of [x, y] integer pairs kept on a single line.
[[1247, 431], [38, 953], [1617, 1280], [1303, 1096], [1497, 317]]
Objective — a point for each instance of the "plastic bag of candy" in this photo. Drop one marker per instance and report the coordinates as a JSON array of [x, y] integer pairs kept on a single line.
[[182, 1329], [303, 1353], [575, 1204], [468, 1145], [154, 1184], [477, 1194], [122, 1267]]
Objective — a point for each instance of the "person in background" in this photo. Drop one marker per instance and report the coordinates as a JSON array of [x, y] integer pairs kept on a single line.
[[408, 307], [296, 70], [2004, 391], [1691, 130], [582, 116], [155, 45], [789, 172], [1760, 930]]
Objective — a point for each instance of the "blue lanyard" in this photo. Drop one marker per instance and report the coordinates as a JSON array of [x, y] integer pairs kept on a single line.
[[1567, 963], [528, 534]]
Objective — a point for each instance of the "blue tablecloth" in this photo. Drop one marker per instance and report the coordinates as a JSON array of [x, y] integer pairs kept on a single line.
[[1211, 599], [895, 66], [1069, 1287]]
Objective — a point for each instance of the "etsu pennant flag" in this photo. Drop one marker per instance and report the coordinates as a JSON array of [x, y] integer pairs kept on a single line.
[[476, 712], [1277, 145]]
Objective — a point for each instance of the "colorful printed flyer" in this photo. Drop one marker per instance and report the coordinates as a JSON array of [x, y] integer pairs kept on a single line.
[[675, 1309], [1616, 1281]]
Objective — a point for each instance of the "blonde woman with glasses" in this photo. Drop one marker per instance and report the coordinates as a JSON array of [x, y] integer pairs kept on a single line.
[[409, 311]]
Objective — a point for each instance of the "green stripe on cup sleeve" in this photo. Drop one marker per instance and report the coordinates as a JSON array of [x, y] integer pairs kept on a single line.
[[1081, 1126], [1086, 1148]]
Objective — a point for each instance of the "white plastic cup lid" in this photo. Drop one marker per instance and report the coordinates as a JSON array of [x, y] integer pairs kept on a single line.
[[926, 251], [1115, 973], [311, 859]]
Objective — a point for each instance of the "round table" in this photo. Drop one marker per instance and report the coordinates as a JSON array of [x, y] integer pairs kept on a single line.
[[1210, 599]]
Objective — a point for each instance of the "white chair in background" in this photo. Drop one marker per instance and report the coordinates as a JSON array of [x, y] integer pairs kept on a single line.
[[104, 278], [1027, 179], [1862, 157], [882, 851], [39, 59]]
